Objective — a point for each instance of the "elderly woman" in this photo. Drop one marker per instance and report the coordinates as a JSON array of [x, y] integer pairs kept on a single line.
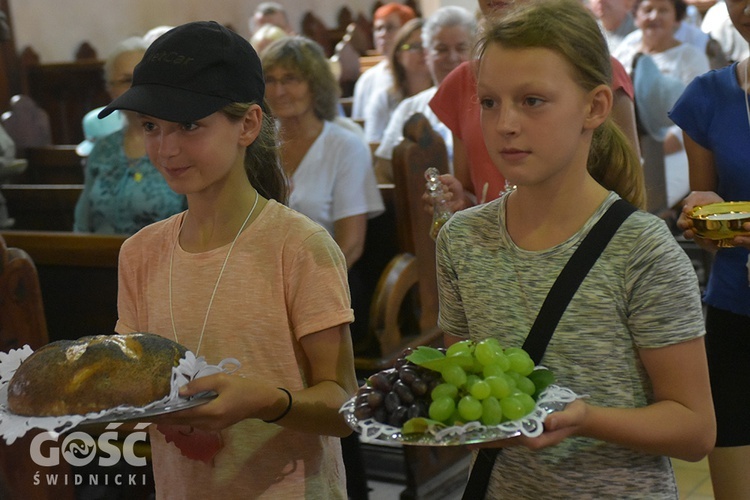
[[329, 167], [657, 21], [123, 192]]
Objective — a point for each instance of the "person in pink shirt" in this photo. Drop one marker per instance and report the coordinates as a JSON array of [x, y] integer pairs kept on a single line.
[[238, 275]]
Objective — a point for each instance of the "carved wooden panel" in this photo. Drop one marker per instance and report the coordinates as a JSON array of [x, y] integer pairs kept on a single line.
[[67, 91]]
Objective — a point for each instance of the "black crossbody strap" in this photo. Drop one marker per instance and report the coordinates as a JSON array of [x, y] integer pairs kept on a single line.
[[552, 309], [571, 277]]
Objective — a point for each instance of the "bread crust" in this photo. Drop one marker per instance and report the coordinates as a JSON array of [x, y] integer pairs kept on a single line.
[[90, 374]]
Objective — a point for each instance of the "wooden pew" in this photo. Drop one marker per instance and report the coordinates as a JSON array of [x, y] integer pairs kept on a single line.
[[66, 91], [47, 207], [388, 277], [422, 148], [315, 29], [78, 278], [346, 57], [27, 124], [57, 164], [343, 44], [21, 308], [404, 304]]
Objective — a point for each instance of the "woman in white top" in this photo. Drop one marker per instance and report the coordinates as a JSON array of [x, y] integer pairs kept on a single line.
[[658, 21], [329, 167], [386, 21], [410, 76], [331, 175]]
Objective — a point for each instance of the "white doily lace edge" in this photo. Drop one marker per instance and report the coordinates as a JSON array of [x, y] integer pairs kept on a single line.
[[554, 398], [14, 426]]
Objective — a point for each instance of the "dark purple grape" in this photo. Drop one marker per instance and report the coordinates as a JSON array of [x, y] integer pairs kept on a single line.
[[380, 415], [419, 387], [398, 416], [407, 374], [396, 395], [363, 411], [392, 401], [418, 409], [380, 381], [404, 392], [432, 385], [430, 376], [375, 399], [362, 395], [400, 363]]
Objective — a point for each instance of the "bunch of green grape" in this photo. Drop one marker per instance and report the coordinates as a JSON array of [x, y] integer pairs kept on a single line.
[[482, 382], [467, 382]]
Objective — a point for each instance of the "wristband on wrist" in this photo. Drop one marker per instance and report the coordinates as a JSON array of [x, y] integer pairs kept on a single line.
[[288, 407]]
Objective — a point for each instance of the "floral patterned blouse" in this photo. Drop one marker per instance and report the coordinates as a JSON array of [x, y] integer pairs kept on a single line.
[[122, 195]]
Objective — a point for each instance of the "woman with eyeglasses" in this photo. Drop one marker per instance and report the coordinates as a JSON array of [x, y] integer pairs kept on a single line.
[[122, 192], [386, 21], [329, 167], [410, 77]]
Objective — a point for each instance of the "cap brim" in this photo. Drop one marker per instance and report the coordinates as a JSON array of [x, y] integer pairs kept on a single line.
[[84, 148], [166, 103]]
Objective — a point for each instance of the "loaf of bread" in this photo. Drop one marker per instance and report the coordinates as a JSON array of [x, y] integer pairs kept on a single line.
[[72, 377]]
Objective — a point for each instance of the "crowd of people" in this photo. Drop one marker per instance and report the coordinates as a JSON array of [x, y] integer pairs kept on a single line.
[[447, 39], [246, 190]]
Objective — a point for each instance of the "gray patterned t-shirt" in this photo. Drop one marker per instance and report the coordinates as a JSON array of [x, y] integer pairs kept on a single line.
[[641, 293]]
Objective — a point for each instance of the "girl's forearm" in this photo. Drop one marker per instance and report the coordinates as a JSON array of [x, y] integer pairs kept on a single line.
[[663, 428], [316, 409]]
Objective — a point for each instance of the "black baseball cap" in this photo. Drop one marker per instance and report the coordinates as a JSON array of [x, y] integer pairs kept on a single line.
[[191, 71]]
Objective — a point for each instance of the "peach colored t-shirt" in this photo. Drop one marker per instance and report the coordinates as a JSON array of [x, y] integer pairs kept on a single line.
[[285, 278]]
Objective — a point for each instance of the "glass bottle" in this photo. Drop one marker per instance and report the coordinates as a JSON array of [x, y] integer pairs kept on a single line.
[[440, 210]]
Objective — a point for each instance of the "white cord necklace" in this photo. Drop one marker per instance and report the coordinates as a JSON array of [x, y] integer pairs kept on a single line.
[[216, 286], [744, 91]]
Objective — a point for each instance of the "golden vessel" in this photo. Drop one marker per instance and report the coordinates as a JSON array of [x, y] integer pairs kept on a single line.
[[721, 221]]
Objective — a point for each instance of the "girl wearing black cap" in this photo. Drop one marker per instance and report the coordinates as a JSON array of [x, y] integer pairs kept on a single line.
[[238, 275]]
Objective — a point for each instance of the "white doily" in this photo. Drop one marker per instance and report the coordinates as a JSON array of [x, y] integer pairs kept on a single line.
[[14, 426], [554, 398]]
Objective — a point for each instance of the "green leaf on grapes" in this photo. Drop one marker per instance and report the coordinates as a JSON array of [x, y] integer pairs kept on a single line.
[[424, 354], [420, 425], [542, 378], [433, 359]]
